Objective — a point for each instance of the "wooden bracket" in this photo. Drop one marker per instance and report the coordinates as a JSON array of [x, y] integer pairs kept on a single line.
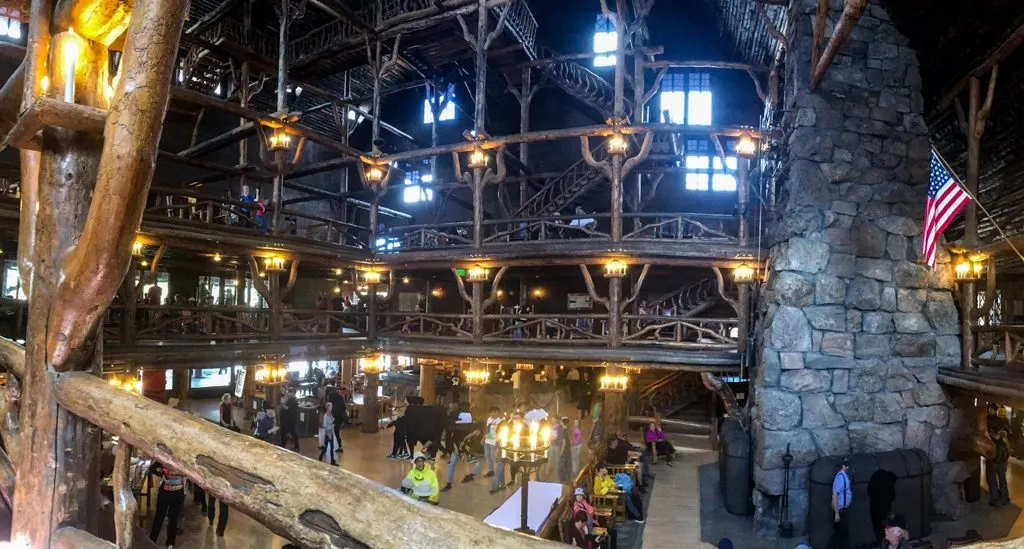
[[852, 10], [47, 112]]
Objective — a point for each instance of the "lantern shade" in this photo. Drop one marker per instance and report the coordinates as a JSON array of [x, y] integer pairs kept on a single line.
[[613, 383], [617, 144], [373, 173], [280, 140], [746, 146], [615, 268], [476, 273], [964, 270], [744, 273], [371, 277], [477, 158], [274, 263], [477, 376]]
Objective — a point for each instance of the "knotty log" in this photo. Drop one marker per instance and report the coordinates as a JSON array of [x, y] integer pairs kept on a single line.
[[278, 493], [101, 20], [7, 476], [125, 505], [68, 537], [9, 430], [47, 112], [852, 10], [12, 357], [27, 218], [10, 99], [95, 267]]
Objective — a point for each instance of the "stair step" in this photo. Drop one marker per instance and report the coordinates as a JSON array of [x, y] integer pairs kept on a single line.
[[690, 442]]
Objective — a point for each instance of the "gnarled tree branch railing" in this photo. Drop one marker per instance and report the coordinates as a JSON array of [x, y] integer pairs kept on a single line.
[[278, 493], [190, 208], [179, 322], [569, 329], [683, 226], [1001, 345], [687, 333], [427, 325], [427, 237], [322, 323], [540, 229]]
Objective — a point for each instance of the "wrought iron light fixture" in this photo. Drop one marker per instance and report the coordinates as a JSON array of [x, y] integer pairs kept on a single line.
[[613, 383], [272, 374], [744, 274], [617, 143], [478, 376], [476, 273], [279, 140], [477, 158], [746, 146], [137, 247], [372, 365], [371, 277], [274, 263]]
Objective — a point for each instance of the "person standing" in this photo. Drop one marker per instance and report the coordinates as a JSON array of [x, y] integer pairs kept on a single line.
[[842, 496], [563, 469], [340, 411], [491, 438], [290, 420], [327, 434], [222, 521], [169, 501], [226, 410], [995, 472], [576, 438]]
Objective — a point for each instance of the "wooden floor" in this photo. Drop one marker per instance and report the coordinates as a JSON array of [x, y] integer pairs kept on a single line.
[[673, 514]]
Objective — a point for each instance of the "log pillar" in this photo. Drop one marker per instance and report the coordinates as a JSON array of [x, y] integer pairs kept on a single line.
[[182, 384], [614, 406], [525, 97], [478, 312], [615, 311], [369, 413], [129, 314], [616, 204], [743, 327], [428, 377], [525, 384], [742, 196], [477, 402], [371, 312], [249, 390], [478, 206], [274, 280], [551, 373], [347, 367], [967, 304]]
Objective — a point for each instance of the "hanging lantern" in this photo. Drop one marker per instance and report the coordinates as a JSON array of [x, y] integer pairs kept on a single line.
[[372, 277], [476, 273], [372, 365], [617, 144], [274, 263], [477, 376], [477, 158], [964, 270], [613, 383], [615, 268], [743, 274], [746, 146], [280, 140], [137, 247]]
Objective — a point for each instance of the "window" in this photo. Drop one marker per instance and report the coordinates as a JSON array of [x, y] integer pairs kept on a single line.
[[12, 281], [413, 191], [448, 113], [163, 281], [685, 98], [699, 97], [605, 41], [704, 169], [209, 287], [388, 244], [253, 298], [995, 315], [10, 28]]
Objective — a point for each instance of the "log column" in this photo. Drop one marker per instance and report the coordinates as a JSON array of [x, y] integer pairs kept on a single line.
[[615, 310], [614, 406], [428, 391], [369, 413], [371, 312], [478, 312]]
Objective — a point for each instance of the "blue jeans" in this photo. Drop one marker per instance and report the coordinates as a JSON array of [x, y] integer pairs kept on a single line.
[[632, 507], [489, 451], [455, 459], [498, 479]]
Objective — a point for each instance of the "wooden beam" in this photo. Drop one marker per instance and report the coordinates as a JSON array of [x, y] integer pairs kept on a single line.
[[47, 112], [249, 172], [277, 494], [10, 99], [1003, 51], [670, 64], [12, 357], [69, 537], [852, 10], [218, 142], [211, 18]]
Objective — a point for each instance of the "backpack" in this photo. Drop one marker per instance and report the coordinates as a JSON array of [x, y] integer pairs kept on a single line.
[[624, 481]]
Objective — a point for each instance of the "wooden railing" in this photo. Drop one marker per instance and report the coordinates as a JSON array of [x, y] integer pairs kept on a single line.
[[1001, 345], [181, 206], [307, 323], [687, 333], [429, 237], [425, 325], [693, 227], [540, 229], [569, 329]]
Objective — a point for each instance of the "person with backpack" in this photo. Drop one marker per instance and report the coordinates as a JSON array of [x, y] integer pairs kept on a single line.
[[170, 499]]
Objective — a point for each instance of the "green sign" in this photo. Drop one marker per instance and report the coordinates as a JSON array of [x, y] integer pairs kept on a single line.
[[461, 272]]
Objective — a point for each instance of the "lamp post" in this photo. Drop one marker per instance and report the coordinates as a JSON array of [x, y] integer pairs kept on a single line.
[[477, 377], [272, 376], [371, 278], [524, 445], [967, 271], [615, 270], [744, 276], [371, 368]]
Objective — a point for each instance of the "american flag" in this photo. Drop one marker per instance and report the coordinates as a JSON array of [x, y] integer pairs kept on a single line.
[[945, 199]]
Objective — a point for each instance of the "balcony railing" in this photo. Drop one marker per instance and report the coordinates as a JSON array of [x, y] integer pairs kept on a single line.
[[682, 227], [687, 333], [426, 325], [570, 329], [178, 206], [1001, 345]]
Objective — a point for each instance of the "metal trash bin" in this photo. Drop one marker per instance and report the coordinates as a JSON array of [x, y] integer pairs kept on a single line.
[[736, 469]]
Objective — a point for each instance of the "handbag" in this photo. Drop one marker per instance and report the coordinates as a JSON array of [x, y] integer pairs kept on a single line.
[[320, 437]]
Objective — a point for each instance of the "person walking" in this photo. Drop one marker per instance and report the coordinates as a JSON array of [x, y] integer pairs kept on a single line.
[[226, 413], [842, 496], [222, 520], [327, 434], [576, 439], [340, 411], [169, 501], [290, 420], [563, 468]]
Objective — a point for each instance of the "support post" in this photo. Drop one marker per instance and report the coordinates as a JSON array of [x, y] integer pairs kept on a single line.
[[478, 207], [614, 406], [478, 312], [968, 301], [526, 96], [614, 312], [371, 312], [743, 330], [369, 415], [742, 197], [428, 391], [274, 280], [616, 205]]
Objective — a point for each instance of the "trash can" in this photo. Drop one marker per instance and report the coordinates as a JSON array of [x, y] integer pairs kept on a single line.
[[736, 471], [899, 481]]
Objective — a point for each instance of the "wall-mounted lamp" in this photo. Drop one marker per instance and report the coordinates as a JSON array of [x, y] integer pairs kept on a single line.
[[746, 146], [274, 263], [743, 274], [371, 277], [280, 140], [617, 144], [216, 258], [137, 247], [615, 268], [477, 158], [476, 273]]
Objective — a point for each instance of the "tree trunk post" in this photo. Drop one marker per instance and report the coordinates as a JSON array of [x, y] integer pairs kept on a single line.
[[616, 204], [614, 312], [371, 312], [478, 312], [478, 207], [428, 375], [369, 415]]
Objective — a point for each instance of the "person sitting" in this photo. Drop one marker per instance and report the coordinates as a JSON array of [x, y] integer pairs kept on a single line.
[[896, 535], [265, 423], [604, 484], [421, 482], [581, 505], [579, 535], [656, 438]]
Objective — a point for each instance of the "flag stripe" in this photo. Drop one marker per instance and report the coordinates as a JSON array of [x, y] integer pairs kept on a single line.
[[945, 199]]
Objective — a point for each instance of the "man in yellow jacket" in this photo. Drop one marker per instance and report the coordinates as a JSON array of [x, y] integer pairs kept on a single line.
[[421, 481]]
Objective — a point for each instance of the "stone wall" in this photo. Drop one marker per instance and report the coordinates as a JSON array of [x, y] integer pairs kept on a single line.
[[853, 328]]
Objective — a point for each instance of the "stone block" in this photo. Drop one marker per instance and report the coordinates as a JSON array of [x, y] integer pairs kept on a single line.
[[802, 255], [863, 294], [877, 269], [896, 247], [919, 435], [944, 316], [871, 345], [868, 379], [888, 408], [840, 381], [780, 411], [792, 361], [810, 144], [817, 361], [832, 442], [855, 406], [872, 437], [770, 370], [829, 289], [772, 446], [793, 289], [805, 117], [806, 380], [889, 300], [869, 240], [827, 317], [914, 345], [790, 330], [929, 394], [857, 194], [910, 301], [947, 500], [844, 207], [938, 449], [841, 264], [876, 322], [818, 412], [837, 344], [854, 320], [911, 323], [903, 226], [947, 346], [936, 416], [911, 275]]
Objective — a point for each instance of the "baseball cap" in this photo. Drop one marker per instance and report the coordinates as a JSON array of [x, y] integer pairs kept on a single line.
[[418, 455], [579, 492]]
